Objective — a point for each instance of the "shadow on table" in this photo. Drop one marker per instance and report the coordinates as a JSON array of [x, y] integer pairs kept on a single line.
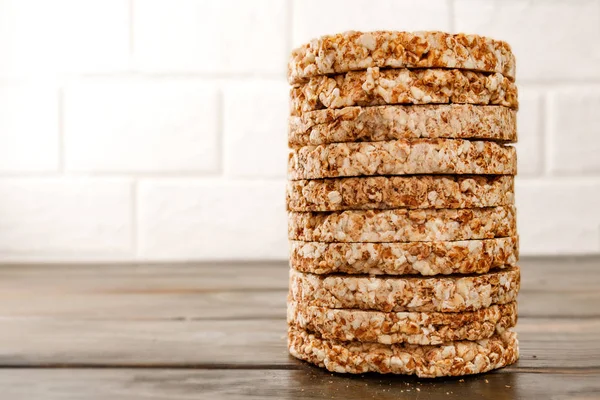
[[312, 382]]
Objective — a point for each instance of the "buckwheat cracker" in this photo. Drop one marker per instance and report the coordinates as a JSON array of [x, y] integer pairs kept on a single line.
[[402, 157], [424, 258], [350, 51], [452, 293], [423, 328], [383, 192], [402, 225], [378, 123], [402, 86], [449, 359]]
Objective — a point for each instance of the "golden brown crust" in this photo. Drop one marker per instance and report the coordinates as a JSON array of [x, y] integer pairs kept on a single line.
[[351, 51], [423, 258], [422, 328], [402, 86], [402, 225], [450, 359], [452, 293], [378, 123], [382, 192], [402, 157]]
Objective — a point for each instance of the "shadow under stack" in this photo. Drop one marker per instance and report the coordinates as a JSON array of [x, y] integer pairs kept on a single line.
[[401, 204]]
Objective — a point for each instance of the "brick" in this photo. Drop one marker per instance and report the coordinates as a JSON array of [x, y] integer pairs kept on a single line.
[[552, 39], [530, 146], [45, 219], [558, 217], [210, 36], [212, 220], [314, 18], [255, 129], [574, 130], [63, 36], [29, 128], [142, 126]]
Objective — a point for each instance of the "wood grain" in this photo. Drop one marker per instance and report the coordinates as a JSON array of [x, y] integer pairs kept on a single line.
[[187, 291], [218, 331], [143, 292], [545, 343], [304, 383]]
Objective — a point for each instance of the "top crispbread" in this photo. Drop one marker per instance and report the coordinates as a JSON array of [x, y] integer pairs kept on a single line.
[[352, 51]]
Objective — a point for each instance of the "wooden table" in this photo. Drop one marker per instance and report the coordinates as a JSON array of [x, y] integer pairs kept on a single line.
[[218, 331]]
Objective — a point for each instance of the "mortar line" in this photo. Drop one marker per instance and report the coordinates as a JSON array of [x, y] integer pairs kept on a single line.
[[451, 16], [61, 131], [289, 17], [131, 32], [546, 140], [220, 125], [543, 134], [134, 218]]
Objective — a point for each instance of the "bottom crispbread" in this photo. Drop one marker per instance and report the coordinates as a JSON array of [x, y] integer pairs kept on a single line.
[[450, 359], [423, 328]]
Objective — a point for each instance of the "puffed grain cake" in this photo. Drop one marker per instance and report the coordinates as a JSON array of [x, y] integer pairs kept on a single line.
[[378, 123], [402, 157], [424, 258], [422, 328], [449, 359], [383, 192], [351, 51], [450, 293], [403, 225], [402, 86]]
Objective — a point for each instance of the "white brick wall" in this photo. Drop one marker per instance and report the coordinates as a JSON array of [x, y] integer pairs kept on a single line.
[[217, 36], [553, 39], [65, 218], [156, 129], [312, 18], [61, 36], [529, 124], [148, 125], [574, 130], [255, 128], [29, 144], [559, 216], [211, 219]]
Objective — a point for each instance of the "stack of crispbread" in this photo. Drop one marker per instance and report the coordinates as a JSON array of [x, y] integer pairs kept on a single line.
[[401, 207]]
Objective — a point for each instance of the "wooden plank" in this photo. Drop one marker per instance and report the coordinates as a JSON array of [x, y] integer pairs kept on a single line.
[[49, 341], [150, 278], [559, 304], [560, 287], [49, 302], [562, 274], [304, 383], [143, 306], [178, 291], [547, 274], [545, 343], [550, 288]]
